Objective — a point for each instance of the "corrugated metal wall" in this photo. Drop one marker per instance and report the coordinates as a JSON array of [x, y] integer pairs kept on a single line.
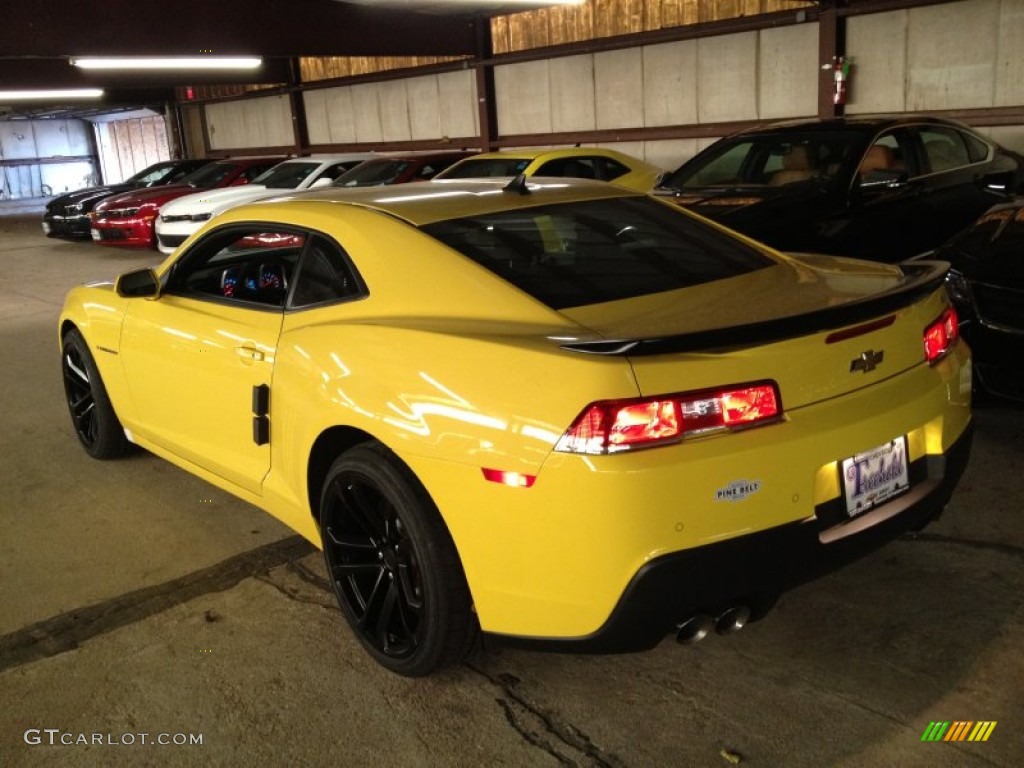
[[32, 158]]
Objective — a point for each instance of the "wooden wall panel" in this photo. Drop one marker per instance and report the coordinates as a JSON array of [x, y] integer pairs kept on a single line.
[[609, 18], [317, 68]]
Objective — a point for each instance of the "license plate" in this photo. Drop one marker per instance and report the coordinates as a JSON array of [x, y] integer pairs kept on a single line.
[[46, 228], [95, 234], [873, 477]]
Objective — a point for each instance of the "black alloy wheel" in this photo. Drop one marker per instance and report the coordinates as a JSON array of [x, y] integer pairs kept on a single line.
[[92, 415], [393, 565]]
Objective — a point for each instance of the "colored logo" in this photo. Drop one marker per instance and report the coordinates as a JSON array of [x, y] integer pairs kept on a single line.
[[738, 490], [959, 730]]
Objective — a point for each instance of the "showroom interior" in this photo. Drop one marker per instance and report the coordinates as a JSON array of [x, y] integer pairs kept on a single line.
[[138, 599]]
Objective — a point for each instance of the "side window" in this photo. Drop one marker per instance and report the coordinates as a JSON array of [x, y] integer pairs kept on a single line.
[[334, 171], [252, 265], [324, 275], [977, 150], [944, 148], [575, 167], [611, 169], [253, 171], [886, 160]]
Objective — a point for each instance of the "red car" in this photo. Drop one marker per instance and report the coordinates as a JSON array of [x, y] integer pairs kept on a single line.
[[128, 218]]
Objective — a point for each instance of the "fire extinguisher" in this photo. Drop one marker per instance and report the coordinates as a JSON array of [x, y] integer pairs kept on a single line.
[[841, 76]]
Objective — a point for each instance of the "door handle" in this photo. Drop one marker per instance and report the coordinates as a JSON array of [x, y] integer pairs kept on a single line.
[[250, 354]]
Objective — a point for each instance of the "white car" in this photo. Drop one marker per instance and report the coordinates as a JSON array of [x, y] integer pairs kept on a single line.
[[183, 216]]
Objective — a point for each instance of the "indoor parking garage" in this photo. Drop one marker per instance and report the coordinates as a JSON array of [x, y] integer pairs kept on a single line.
[[512, 383]]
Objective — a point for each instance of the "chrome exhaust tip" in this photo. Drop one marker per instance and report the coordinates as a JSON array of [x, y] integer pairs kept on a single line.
[[732, 620], [694, 629]]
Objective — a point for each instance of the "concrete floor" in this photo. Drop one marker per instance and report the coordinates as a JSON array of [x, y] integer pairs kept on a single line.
[[136, 599]]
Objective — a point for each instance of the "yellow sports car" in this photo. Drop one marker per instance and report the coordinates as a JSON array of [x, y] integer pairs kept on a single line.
[[561, 413], [572, 162]]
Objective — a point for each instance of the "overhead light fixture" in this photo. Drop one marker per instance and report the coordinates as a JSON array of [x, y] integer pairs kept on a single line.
[[168, 62], [52, 94]]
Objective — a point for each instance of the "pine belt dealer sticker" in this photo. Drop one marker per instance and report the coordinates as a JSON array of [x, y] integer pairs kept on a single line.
[[738, 490]]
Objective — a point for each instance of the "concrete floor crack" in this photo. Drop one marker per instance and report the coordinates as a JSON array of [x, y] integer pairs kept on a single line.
[[544, 729], [990, 546], [293, 594], [67, 631]]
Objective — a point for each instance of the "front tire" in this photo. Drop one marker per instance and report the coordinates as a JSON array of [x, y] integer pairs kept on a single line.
[[92, 415], [393, 564]]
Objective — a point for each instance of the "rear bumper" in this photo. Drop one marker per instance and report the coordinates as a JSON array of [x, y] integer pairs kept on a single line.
[[752, 570]]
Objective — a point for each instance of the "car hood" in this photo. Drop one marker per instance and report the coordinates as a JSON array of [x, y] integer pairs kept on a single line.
[[88, 194], [154, 195], [209, 201]]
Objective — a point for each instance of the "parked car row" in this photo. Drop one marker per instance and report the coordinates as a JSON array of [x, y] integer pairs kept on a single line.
[[881, 188], [164, 217], [67, 215]]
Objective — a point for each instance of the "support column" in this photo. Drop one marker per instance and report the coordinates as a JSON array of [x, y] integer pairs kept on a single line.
[[297, 105], [486, 102]]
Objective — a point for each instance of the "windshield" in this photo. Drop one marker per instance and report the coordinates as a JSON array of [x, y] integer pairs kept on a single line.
[[153, 173], [576, 254], [286, 175], [210, 175], [770, 160], [486, 167], [372, 173]]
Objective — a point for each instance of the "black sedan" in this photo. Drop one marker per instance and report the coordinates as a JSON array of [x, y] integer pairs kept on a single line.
[[884, 189], [67, 215], [987, 285]]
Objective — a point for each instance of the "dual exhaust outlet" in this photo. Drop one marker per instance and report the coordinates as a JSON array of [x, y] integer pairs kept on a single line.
[[696, 628]]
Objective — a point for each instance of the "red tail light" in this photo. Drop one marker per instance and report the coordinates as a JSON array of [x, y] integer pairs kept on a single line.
[[514, 479], [940, 336], [611, 426]]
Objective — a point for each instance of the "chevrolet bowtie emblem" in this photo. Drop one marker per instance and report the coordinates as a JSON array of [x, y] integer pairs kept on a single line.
[[867, 361]]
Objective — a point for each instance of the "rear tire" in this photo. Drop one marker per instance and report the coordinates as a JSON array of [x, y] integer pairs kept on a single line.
[[393, 564], [92, 415]]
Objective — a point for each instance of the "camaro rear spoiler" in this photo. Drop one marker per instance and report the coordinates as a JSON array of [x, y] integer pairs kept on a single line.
[[921, 278]]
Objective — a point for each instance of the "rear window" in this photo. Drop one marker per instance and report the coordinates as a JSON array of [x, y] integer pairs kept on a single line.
[[576, 254]]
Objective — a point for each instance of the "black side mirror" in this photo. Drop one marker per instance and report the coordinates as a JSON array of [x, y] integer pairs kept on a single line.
[[998, 183], [142, 283]]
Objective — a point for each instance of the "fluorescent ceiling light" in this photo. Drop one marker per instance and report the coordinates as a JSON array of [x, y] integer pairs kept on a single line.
[[58, 93], [169, 62]]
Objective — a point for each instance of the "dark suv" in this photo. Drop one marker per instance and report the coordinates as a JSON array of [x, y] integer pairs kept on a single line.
[[876, 188]]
